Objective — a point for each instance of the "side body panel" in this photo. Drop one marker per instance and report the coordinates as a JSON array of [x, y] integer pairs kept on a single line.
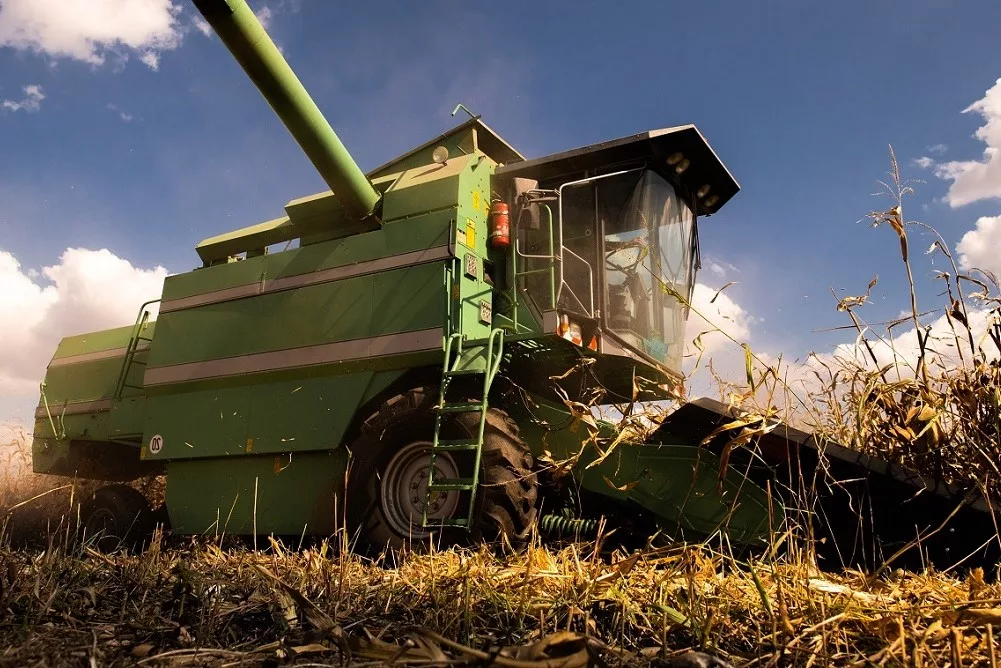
[[260, 367], [85, 402]]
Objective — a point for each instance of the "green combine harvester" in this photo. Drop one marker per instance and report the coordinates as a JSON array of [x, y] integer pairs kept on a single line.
[[409, 369]]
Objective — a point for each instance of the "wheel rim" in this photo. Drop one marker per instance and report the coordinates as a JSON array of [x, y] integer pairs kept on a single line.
[[403, 486], [101, 523]]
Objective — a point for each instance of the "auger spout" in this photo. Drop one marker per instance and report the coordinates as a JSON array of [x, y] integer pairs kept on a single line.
[[248, 41]]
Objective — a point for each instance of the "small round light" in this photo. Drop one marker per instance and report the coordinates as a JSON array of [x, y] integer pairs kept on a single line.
[[440, 155], [674, 159], [711, 202], [703, 191], [682, 166]]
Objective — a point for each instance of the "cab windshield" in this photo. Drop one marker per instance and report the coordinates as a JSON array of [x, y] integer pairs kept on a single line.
[[629, 244], [648, 255]]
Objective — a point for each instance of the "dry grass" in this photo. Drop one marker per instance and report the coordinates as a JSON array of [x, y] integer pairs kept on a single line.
[[205, 605], [32, 505]]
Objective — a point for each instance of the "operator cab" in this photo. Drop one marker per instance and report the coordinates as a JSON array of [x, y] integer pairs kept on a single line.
[[606, 239]]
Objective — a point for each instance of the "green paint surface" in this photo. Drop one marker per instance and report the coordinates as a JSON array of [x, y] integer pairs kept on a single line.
[[282, 494]]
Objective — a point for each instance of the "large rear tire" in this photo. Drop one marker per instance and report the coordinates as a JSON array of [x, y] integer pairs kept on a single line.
[[389, 466], [116, 517]]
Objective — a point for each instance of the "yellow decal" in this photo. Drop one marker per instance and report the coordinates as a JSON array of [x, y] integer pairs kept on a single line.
[[460, 234], [142, 453], [470, 233], [476, 200], [250, 445]]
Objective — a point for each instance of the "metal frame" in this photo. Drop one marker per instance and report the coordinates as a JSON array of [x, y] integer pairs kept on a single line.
[[568, 184]]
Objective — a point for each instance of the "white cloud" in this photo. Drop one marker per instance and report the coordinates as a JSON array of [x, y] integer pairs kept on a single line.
[[706, 324], [121, 114], [264, 15], [944, 348], [938, 149], [720, 269], [974, 180], [32, 100], [151, 60], [201, 25], [90, 30], [86, 290], [707, 319], [923, 162], [981, 248]]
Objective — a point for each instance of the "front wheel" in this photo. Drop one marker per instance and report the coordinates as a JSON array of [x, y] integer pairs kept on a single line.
[[389, 471]]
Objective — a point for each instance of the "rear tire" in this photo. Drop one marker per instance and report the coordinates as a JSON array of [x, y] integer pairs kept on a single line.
[[116, 517], [389, 463]]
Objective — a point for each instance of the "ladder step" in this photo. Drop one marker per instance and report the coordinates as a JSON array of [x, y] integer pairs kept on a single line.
[[449, 446], [452, 522], [465, 372], [460, 408], [452, 485]]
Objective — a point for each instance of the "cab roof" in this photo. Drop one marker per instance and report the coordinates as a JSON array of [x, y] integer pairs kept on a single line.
[[653, 146]]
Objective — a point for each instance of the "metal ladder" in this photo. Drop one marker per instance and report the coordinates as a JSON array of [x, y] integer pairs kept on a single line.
[[130, 352], [491, 351]]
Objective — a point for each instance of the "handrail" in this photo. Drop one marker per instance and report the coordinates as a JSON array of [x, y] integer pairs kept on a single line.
[[60, 433], [552, 258], [132, 348], [494, 358], [559, 201]]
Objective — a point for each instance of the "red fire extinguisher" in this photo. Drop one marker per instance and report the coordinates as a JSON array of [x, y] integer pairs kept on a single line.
[[500, 225]]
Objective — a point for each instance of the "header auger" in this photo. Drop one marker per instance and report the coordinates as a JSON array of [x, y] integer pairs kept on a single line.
[[399, 349]]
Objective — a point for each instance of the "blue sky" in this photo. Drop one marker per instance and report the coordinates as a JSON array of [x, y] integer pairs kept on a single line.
[[800, 100]]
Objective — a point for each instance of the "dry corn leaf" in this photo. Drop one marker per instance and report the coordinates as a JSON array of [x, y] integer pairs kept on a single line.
[[829, 587], [973, 617], [622, 488], [140, 651], [316, 618], [563, 648], [312, 648]]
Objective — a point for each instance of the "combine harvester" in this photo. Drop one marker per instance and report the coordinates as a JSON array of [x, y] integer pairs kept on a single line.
[[395, 370]]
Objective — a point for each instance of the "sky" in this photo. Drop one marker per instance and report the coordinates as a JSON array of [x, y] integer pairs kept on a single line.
[[128, 134]]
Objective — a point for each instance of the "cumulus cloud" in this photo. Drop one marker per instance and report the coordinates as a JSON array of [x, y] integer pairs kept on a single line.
[[264, 15], [714, 313], [923, 162], [201, 25], [85, 290], [945, 348], [32, 100], [980, 248], [717, 324], [90, 30], [974, 180], [938, 149], [151, 59]]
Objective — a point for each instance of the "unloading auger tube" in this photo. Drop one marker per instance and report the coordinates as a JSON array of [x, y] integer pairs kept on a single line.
[[245, 37]]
